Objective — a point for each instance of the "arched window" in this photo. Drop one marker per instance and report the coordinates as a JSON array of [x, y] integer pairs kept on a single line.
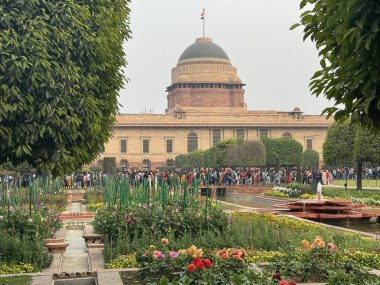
[[192, 142], [146, 164], [169, 162], [124, 164], [287, 135]]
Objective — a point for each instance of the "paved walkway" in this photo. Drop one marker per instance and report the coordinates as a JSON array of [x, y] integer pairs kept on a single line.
[[77, 262]]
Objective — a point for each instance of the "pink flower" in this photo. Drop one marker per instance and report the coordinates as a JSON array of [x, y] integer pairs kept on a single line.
[[158, 255], [173, 254], [330, 245]]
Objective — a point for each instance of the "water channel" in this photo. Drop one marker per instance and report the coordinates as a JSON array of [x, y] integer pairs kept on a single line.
[[75, 259]]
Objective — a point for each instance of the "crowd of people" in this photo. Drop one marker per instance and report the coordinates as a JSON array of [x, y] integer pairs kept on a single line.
[[248, 177]]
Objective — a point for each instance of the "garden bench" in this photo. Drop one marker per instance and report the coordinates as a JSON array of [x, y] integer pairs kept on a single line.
[[95, 245], [56, 246], [89, 234], [54, 240]]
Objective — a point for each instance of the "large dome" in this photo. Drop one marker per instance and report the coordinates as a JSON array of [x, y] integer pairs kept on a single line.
[[203, 47]]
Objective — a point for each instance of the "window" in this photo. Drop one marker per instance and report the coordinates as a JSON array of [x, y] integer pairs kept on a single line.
[[192, 142], [263, 134], [216, 135], [240, 133], [145, 143], [124, 164], [287, 135], [123, 146], [146, 164], [309, 144], [169, 145]]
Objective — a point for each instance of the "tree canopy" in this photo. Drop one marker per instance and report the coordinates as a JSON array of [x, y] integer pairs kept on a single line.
[[339, 144], [346, 144], [283, 152], [310, 159], [60, 75], [347, 35], [247, 153]]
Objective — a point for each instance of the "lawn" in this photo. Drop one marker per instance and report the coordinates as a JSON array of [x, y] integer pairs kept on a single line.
[[351, 192], [16, 280], [352, 183]]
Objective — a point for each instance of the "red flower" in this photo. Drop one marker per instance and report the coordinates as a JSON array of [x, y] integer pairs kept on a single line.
[[191, 268], [277, 276], [207, 262], [291, 282], [224, 256], [147, 252], [199, 263], [283, 282]]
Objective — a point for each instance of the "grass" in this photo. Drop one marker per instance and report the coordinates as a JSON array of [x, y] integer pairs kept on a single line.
[[352, 183], [16, 280], [351, 192]]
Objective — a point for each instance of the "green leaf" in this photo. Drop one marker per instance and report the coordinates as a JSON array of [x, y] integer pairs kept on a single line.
[[292, 27]]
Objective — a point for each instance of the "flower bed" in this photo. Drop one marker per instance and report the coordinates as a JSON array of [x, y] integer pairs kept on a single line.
[[22, 236], [180, 239]]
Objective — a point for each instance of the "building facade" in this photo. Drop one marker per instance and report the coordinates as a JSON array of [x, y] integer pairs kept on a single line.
[[205, 104]]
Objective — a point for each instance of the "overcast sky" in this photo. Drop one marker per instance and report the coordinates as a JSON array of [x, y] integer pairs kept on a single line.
[[273, 61]]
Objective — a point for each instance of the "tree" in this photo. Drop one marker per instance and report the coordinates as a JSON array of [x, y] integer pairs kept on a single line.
[[283, 152], [216, 155], [182, 161], [247, 153], [197, 158], [366, 149], [255, 153], [310, 159], [347, 35], [60, 74], [339, 144], [109, 165]]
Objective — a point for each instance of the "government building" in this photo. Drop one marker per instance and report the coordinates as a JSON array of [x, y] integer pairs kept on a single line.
[[205, 104]]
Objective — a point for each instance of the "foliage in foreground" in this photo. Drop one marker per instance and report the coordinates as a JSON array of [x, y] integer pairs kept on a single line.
[[22, 235], [61, 72], [347, 34]]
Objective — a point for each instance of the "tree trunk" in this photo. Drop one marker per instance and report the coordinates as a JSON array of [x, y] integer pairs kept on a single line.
[[359, 176], [299, 176]]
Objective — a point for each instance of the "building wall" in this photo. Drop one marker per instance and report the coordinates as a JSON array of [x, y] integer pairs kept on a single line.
[[157, 141], [206, 97]]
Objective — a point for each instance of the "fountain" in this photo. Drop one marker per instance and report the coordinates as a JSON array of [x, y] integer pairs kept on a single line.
[[325, 209]]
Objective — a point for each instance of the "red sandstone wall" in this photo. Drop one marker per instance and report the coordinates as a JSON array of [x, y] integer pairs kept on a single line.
[[206, 97]]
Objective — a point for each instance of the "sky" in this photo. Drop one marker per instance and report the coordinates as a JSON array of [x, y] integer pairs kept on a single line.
[[275, 63]]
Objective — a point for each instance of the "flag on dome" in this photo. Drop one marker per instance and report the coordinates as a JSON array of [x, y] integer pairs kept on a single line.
[[203, 14]]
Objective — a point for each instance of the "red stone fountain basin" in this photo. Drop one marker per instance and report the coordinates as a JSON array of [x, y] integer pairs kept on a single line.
[[325, 209]]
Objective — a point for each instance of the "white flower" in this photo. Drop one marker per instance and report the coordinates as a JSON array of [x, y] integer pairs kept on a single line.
[[30, 220], [1, 218]]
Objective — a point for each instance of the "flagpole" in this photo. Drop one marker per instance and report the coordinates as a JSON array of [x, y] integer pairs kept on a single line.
[[203, 19], [203, 25]]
